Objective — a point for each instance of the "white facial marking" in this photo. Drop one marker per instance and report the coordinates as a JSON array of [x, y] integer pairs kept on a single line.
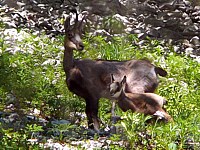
[[77, 37], [117, 94]]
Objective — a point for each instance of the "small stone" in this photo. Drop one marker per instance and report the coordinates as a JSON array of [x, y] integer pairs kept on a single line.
[[128, 30], [184, 15], [197, 8], [33, 141], [13, 117], [187, 3], [142, 35], [186, 43], [189, 50], [136, 31], [10, 24], [121, 18], [57, 146], [176, 48], [195, 41], [55, 122]]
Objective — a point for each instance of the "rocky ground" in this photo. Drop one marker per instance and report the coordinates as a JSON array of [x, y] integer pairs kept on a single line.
[[59, 134], [173, 22]]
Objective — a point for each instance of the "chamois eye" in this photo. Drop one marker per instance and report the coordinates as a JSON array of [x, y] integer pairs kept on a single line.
[[70, 35]]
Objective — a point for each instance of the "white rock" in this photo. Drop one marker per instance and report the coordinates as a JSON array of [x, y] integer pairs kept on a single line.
[[184, 15], [123, 19], [48, 62], [22, 35], [36, 111], [67, 147], [129, 29], [10, 32], [57, 146], [176, 48], [189, 50], [195, 41], [33, 141]]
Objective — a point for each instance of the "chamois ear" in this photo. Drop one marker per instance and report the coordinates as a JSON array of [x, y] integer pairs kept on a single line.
[[67, 24], [123, 80], [80, 26], [112, 78], [76, 26], [123, 83]]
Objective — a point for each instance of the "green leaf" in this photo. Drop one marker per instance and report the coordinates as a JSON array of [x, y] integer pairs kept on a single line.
[[172, 146]]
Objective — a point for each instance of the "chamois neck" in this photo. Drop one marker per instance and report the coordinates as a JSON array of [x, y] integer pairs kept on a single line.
[[121, 95], [68, 59]]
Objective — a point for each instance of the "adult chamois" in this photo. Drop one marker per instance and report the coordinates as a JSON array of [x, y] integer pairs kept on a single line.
[[89, 79], [146, 103]]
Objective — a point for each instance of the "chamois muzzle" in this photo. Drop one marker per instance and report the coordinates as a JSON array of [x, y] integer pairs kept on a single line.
[[77, 42], [80, 46]]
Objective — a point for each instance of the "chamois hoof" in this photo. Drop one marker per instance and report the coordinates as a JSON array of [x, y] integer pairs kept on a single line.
[[115, 119], [113, 130], [91, 133]]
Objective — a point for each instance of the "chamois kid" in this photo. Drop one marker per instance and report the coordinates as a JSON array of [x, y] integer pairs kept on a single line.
[[146, 103]]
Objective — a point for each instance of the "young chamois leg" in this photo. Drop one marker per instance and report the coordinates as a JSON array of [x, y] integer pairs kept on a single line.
[[114, 118], [117, 92]]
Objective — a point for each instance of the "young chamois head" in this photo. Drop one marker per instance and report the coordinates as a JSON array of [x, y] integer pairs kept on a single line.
[[117, 88], [73, 34]]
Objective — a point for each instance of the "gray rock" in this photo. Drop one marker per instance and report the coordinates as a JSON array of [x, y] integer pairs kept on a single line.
[[105, 7], [195, 41], [11, 118], [191, 30], [154, 32], [197, 7], [170, 34], [136, 31], [189, 50], [177, 48], [186, 44], [58, 122], [142, 36], [187, 3], [154, 22]]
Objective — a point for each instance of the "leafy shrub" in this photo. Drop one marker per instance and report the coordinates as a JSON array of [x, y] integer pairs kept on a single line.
[[32, 77], [181, 88]]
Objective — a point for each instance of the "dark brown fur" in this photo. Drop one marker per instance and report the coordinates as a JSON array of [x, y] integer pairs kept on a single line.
[[90, 79]]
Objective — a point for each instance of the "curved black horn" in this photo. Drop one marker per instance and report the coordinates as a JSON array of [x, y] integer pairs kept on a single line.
[[112, 78], [76, 20], [80, 24], [67, 24]]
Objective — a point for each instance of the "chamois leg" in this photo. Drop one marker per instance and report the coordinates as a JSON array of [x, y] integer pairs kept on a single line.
[[92, 113], [113, 118], [113, 112]]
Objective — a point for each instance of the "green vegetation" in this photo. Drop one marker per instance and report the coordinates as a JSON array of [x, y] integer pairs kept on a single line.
[[35, 78]]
